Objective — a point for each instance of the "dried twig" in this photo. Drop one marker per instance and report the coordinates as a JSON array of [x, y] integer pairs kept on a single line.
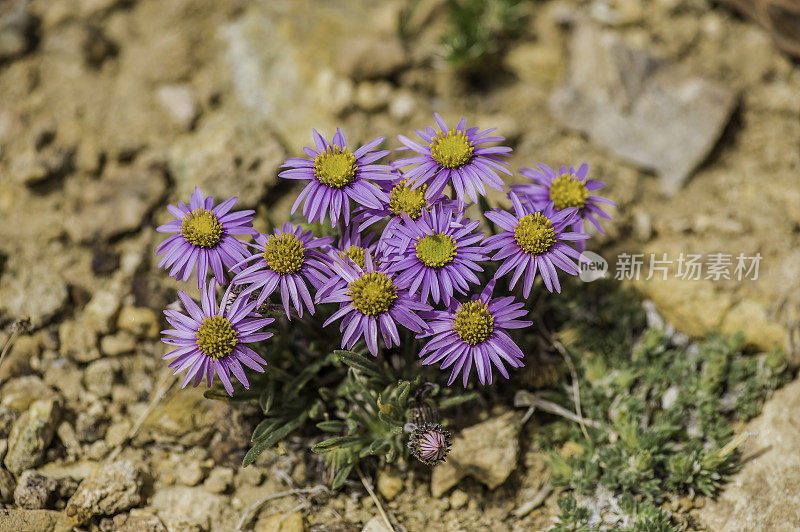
[[368, 487], [525, 398], [534, 503]]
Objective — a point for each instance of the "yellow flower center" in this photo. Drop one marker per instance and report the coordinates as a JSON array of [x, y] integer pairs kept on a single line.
[[435, 251], [356, 254], [452, 149], [568, 191], [201, 228], [473, 323], [335, 167], [216, 337], [404, 199], [284, 253], [373, 293], [535, 233]]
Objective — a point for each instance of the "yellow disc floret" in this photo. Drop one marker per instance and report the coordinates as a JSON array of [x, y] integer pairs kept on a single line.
[[373, 293], [201, 228], [568, 191], [356, 254], [473, 323], [335, 167], [437, 250], [216, 337], [404, 199], [284, 253], [535, 233], [452, 149]]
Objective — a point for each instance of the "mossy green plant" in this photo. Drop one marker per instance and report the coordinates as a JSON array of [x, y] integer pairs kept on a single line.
[[662, 411]]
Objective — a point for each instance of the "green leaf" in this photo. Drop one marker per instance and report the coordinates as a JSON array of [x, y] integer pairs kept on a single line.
[[457, 400], [341, 476], [361, 363], [332, 426], [335, 443], [264, 428], [273, 438]]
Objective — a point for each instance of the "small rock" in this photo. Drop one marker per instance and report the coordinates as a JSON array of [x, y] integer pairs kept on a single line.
[[105, 262], [486, 451], [68, 437], [117, 344], [402, 105], [292, 522], [78, 341], [7, 418], [373, 96], [371, 57], [18, 359], [251, 475], [109, 489], [99, 376], [32, 288], [458, 499], [180, 103], [100, 209], [21, 392], [389, 485], [376, 524], [7, 485], [640, 108], [34, 521], [191, 473], [642, 225], [35, 491], [31, 435], [185, 417], [117, 432], [219, 480], [183, 508], [138, 521], [17, 30], [101, 310], [142, 322], [66, 377], [91, 422]]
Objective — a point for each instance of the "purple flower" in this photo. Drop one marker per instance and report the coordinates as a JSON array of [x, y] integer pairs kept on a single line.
[[369, 299], [211, 339], [474, 332], [438, 252], [569, 188], [203, 235], [429, 443], [354, 246], [288, 258], [534, 240], [457, 157], [337, 176]]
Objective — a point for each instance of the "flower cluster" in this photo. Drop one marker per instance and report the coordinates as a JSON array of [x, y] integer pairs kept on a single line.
[[402, 244]]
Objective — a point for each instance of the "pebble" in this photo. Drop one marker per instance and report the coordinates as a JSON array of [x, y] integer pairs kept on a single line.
[[487, 452], [389, 485], [34, 521], [292, 522], [219, 479], [101, 310], [142, 322], [20, 393], [31, 435], [35, 491], [99, 376], [78, 341], [458, 499], [7, 485], [18, 358], [191, 473], [371, 58], [180, 103], [109, 489], [117, 344]]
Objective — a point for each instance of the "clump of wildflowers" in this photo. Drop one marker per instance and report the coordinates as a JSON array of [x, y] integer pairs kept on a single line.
[[400, 268]]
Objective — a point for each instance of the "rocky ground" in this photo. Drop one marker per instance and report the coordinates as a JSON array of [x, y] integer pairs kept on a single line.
[[110, 109]]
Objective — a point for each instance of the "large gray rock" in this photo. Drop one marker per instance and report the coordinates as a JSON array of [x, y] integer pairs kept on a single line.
[[640, 108], [764, 495], [487, 452]]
